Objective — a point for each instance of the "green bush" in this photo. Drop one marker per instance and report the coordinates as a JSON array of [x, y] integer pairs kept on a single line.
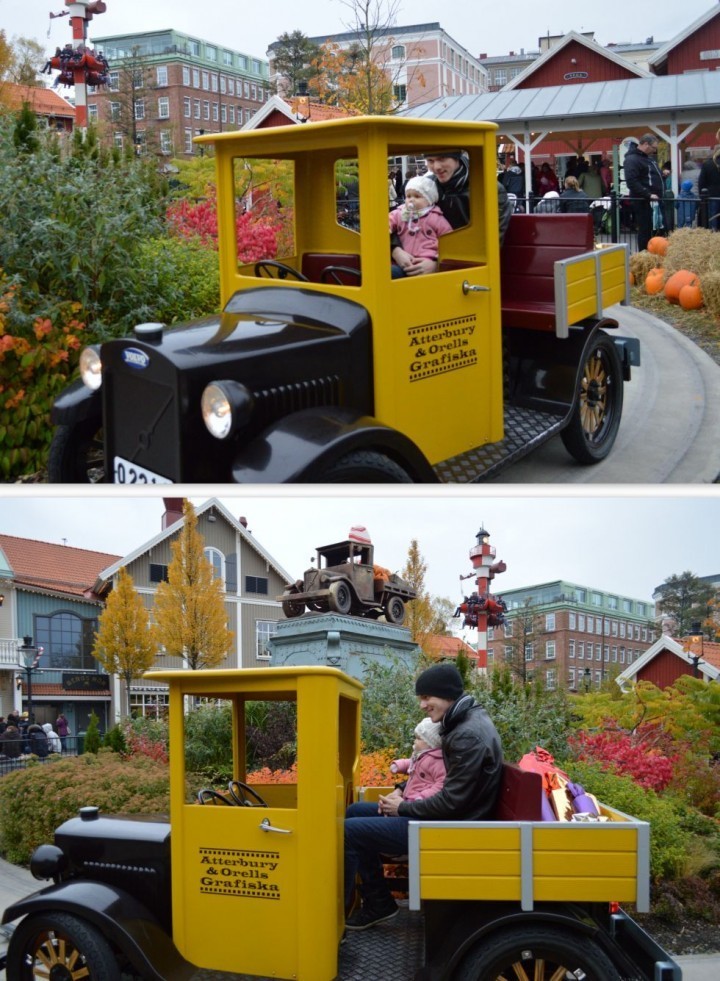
[[115, 739], [178, 279], [93, 740], [34, 801], [390, 709]]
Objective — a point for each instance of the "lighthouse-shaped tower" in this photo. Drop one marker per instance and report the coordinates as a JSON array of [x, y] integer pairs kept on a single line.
[[78, 64], [480, 609]]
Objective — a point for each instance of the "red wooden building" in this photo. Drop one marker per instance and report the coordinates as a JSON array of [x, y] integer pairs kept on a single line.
[[668, 659]]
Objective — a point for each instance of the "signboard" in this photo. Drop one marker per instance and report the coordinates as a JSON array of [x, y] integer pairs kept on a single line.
[[85, 682], [572, 75]]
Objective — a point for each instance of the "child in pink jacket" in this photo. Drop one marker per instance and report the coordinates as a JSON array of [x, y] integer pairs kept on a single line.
[[426, 767], [418, 223]]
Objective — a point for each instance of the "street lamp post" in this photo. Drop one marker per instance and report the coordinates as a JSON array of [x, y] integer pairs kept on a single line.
[[587, 678], [31, 658]]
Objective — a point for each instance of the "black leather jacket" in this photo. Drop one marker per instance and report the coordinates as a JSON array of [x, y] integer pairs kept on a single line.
[[473, 759], [642, 175]]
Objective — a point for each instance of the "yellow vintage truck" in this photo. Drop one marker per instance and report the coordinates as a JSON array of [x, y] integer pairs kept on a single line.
[[323, 368], [250, 880]]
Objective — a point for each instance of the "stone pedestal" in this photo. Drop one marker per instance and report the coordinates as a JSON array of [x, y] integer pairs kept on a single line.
[[336, 641]]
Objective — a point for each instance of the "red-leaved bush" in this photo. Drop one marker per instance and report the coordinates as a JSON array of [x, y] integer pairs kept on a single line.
[[140, 744], [258, 231], [626, 755]]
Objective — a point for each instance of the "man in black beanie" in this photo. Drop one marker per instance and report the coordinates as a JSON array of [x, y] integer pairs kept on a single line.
[[473, 759]]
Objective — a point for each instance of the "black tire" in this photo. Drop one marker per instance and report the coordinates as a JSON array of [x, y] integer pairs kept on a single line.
[[592, 429], [536, 953], [62, 946], [290, 607], [77, 454], [340, 598], [363, 467], [395, 610]]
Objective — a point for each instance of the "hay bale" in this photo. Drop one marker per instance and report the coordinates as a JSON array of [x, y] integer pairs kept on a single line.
[[697, 249]]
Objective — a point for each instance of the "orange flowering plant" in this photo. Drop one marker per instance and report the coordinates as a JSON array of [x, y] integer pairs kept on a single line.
[[35, 366]]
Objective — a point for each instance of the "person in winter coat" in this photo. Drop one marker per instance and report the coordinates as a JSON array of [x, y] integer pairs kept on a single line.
[[513, 178], [425, 768], [687, 205], [54, 744], [572, 199], [62, 727], [11, 743], [472, 752], [709, 180], [549, 204], [418, 224], [645, 185], [547, 181], [38, 741]]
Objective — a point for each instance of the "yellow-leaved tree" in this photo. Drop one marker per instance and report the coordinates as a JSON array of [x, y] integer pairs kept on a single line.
[[190, 616], [124, 643]]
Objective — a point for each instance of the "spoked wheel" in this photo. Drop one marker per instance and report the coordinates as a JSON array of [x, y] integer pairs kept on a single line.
[[77, 454], [60, 947], [590, 435], [290, 607], [537, 954]]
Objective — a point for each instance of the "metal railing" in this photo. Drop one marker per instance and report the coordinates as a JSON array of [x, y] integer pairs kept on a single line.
[[74, 746]]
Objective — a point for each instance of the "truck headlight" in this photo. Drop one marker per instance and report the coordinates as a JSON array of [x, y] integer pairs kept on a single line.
[[226, 407], [47, 861], [91, 368]]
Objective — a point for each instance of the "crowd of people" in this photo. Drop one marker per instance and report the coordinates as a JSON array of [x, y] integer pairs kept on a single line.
[[21, 736]]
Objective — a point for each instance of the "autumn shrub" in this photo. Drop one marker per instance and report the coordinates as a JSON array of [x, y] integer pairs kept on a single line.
[[625, 754], [257, 231], [147, 737], [33, 371], [93, 739], [34, 801], [179, 279]]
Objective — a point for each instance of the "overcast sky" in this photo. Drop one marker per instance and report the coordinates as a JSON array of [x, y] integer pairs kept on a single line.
[[623, 544], [481, 27]]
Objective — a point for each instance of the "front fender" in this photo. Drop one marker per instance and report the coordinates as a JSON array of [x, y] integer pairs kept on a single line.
[[76, 404], [297, 447], [125, 922]]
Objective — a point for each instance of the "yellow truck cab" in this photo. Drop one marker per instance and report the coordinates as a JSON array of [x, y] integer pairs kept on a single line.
[[248, 877], [323, 368]]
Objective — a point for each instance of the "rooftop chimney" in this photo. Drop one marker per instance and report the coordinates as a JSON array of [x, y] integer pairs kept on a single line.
[[173, 511]]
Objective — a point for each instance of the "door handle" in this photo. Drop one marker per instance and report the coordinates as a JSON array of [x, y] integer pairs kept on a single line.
[[266, 826], [468, 288]]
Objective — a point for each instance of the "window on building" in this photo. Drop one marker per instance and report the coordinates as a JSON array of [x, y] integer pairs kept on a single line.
[[606, 653], [598, 652], [256, 66], [571, 648], [206, 81], [216, 560], [231, 86], [196, 78], [158, 573], [92, 113], [572, 621], [246, 87], [194, 48], [581, 650], [215, 112], [529, 652], [206, 109], [242, 61], [114, 81], [118, 140], [256, 584], [148, 705], [596, 599], [185, 75], [187, 107], [223, 113], [508, 628], [490, 655], [612, 602], [196, 106], [161, 75], [637, 631], [398, 51], [550, 650], [581, 595], [551, 679], [550, 621], [231, 114], [115, 111], [622, 628], [622, 655], [590, 624], [264, 630], [627, 606], [163, 107], [613, 628], [138, 79], [214, 83], [249, 113], [227, 58], [223, 85], [598, 678], [188, 143], [508, 652], [614, 653], [67, 641], [500, 76], [253, 92], [642, 609], [211, 52], [139, 108], [491, 633], [400, 93], [598, 625], [571, 677]]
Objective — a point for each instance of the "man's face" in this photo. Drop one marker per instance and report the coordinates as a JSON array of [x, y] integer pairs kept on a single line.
[[648, 147], [434, 707], [442, 167]]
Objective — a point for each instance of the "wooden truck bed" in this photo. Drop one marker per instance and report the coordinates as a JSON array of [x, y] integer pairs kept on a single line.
[[552, 276]]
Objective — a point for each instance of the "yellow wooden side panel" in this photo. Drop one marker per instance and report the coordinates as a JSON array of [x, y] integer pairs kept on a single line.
[[593, 864], [614, 273], [581, 289], [470, 863]]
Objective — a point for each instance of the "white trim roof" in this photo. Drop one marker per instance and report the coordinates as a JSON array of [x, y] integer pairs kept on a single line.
[[662, 53], [273, 104], [665, 643], [586, 42], [213, 502]]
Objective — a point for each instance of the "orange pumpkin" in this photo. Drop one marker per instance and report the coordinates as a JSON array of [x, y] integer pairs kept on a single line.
[[632, 279], [690, 295], [676, 282], [658, 245], [654, 280]]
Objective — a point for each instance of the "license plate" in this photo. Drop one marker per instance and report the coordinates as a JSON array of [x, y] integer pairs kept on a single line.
[[125, 472]]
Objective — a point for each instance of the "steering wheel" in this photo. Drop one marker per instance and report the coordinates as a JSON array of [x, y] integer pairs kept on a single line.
[[334, 274], [208, 796], [265, 267], [239, 792]]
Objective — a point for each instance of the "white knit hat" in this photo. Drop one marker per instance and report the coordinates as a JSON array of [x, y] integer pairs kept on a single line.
[[425, 186], [429, 732]]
